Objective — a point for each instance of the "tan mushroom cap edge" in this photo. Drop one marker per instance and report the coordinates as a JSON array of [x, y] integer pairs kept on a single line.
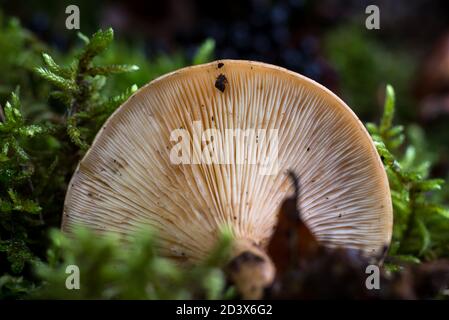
[[126, 180]]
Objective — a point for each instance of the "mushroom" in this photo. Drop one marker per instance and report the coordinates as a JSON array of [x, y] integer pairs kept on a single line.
[[128, 179]]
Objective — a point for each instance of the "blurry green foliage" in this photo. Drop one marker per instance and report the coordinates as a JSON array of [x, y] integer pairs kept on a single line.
[[421, 223], [363, 64], [114, 269], [153, 67], [205, 52], [20, 53]]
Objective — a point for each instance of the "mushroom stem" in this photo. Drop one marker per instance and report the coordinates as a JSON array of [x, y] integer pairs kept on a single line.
[[250, 269]]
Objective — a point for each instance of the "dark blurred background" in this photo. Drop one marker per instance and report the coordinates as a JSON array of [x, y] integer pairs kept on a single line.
[[324, 40]]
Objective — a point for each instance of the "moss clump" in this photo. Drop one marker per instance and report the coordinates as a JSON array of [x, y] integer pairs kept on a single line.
[[112, 269], [421, 222]]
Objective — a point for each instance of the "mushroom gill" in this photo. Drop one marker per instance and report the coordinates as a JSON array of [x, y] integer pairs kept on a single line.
[[127, 179]]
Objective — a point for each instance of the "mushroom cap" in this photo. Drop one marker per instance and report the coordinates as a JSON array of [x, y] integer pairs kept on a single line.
[[127, 181]]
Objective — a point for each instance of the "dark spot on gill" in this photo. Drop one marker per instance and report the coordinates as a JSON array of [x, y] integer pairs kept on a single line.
[[221, 82]]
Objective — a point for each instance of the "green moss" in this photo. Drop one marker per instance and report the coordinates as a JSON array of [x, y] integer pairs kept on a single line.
[[113, 269], [421, 222]]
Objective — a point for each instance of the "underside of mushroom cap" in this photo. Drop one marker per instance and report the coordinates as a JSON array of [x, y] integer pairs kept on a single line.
[[128, 181]]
